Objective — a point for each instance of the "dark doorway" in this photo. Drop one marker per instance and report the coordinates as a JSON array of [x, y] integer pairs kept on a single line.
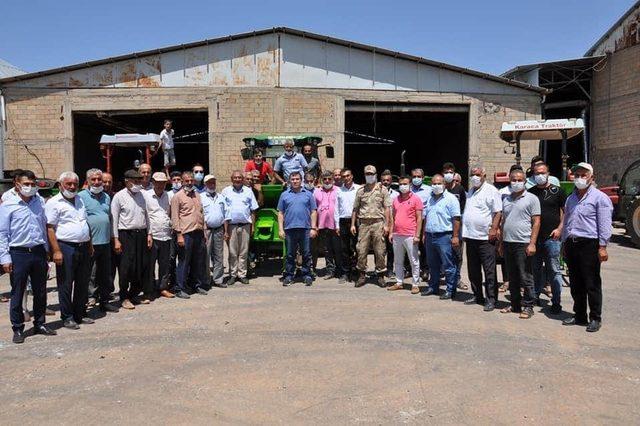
[[191, 138], [377, 133]]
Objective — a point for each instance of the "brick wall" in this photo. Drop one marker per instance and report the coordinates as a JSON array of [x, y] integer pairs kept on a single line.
[[615, 138], [42, 119]]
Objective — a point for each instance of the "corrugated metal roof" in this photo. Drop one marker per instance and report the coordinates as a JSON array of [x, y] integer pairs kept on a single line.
[[590, 60], [282, 30], [613, 28], [8, 70]]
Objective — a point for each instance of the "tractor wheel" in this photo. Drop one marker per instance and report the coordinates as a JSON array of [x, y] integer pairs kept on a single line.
[[632, 222]]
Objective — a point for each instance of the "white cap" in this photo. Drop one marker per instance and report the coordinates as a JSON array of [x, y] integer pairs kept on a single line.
[[582, 165], [208, 177]]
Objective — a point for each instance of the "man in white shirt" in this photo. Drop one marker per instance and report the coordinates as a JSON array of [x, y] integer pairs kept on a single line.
[[166, 144], [345, 197], [240, 204], [71, 248], [158, 211], [213, 206], [480, 224], [131, 240]]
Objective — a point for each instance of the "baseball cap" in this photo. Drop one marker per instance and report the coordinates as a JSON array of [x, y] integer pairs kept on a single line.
[[582, 165], [370, 169], [159, 177], [208, 177]]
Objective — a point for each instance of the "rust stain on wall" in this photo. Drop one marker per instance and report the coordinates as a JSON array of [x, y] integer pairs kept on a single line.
[[127, 74], [630, 33]]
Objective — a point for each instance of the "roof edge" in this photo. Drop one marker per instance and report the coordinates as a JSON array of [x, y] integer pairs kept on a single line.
[[280, 30], [612, 29]]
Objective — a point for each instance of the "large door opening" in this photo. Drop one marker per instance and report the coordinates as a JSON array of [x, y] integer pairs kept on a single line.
[[377, 133], [191, 138]]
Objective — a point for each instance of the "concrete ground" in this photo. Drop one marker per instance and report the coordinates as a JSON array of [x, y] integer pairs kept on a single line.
[[331, 354]]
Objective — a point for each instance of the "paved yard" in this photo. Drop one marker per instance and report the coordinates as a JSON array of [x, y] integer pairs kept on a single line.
[[331, 354]]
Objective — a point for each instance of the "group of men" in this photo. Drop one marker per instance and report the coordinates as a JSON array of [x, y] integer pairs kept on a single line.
[[180, 233]]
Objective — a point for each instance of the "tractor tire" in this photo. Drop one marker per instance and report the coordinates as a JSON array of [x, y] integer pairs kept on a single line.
[[632, 222]]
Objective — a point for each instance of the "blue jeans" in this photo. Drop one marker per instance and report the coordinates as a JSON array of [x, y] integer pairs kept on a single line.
[[548, 252], [441, 257], [190, 260], [297, 238]]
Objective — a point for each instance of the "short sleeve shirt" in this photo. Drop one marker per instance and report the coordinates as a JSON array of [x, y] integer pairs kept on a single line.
[[98, 208], [517, 214], [551, 200], [167, 138], [239, 204], [404, 215], [287, 165], [371, 203], [482, 205], [264, 168], [297, 208], [69, 219], [440, 212], [326, 203]]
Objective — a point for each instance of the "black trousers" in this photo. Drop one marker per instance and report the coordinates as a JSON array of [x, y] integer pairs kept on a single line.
[[584, 276], [520, 275], [73, 280], [101, 281], [160, 254], [28, 264], [330, 245], [135, 262], [481, 257], [173, 259], [348, 243]]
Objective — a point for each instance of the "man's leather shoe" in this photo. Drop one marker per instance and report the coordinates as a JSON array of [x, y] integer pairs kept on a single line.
[[167, 294], [474, 301], [593, 326], [201, 291], [573, 321], [126, 304], [244, 280], [18, 336], [182, 295], [287, 282], [489, 306], [230, 281], [71, 325], [429, 292], [308, 281], [381, 281], [446, 296], [107, 307], [396, 286], [222, 285], [362, 279], [555, 309], [43, 329], [87, 320]]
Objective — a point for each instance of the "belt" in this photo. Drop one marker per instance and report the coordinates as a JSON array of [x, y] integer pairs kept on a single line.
[[213, 229], [368, 220], [580, 239], [133, 230], [28, 249], [440, 233], [77, 245]]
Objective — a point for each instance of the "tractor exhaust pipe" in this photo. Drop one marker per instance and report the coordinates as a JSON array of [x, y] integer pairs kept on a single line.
[[402, 166]]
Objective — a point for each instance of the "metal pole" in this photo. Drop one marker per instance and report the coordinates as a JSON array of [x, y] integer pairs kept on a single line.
[[518, 155], [565, 157], [585, 135]]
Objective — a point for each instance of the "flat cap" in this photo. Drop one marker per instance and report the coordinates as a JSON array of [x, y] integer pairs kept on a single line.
[[132, 174]]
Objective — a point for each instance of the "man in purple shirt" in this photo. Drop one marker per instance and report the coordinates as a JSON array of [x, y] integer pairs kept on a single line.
[[586, 232]]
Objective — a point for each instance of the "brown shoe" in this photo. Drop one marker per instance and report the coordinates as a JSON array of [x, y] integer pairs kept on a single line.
[[396, 286], [362, 279], [145, 301], [167, 294], [126, 304], [415, 289]]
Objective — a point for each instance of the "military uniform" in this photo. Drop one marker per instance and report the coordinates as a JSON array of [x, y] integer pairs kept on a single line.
[[370, 206]]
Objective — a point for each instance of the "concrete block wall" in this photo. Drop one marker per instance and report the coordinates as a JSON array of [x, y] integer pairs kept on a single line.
[[42, 119], [615, 137]]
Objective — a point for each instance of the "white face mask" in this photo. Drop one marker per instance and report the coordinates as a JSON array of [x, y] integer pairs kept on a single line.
[[437, 189], [28, 191], [416, 181], [517, 186], [581, 183], [289, 153], [327, 186], [211, 191], [198, 176], [370, 179], [188, 188], [176, 186], [448, 177], [69, 194], [96, 189], [476, 181], [403, 188], [540, 179], [308, 186], [135, 188]]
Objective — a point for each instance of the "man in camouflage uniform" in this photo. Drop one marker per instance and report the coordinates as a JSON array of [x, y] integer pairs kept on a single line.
[[372, 213]]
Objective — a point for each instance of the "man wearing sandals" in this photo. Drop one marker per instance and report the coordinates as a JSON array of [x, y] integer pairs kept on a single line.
[[520, 226]]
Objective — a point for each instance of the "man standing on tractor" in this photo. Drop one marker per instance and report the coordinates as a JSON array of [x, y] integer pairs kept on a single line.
[[289, 162], [313, 164], [262, 167], [372, 212]]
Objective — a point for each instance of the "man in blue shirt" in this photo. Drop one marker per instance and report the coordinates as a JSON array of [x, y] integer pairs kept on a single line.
[[290, 162], [214, 211], [23, 253], [97, 204], [297, 222], [442, 236]]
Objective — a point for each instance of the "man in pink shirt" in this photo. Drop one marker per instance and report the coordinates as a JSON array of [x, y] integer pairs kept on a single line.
[[328, 238], [406, 225]]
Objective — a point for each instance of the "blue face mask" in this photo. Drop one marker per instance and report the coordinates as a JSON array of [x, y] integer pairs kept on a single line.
[[416, 181], [198, 176]]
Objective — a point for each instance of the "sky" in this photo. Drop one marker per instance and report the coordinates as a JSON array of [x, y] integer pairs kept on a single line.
[[491, 35]]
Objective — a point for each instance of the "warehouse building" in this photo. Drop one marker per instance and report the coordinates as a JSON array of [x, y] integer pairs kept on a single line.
[[369, 103]]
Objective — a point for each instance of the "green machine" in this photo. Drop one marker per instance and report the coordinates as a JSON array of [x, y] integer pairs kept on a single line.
[[265, 240]]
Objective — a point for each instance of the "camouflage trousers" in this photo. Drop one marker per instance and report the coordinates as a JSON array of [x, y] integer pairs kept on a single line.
[[371, 236]]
